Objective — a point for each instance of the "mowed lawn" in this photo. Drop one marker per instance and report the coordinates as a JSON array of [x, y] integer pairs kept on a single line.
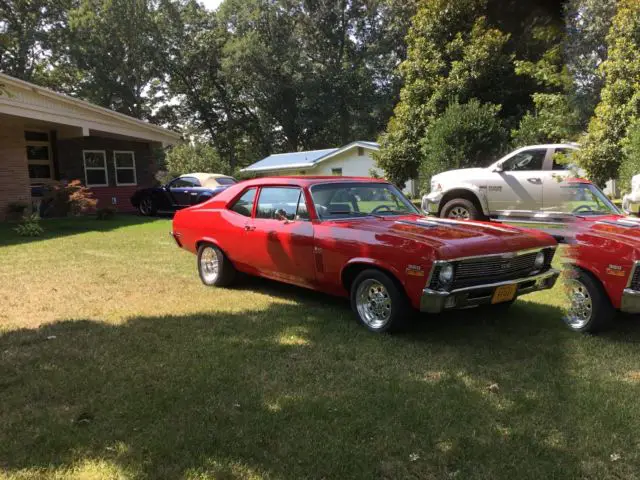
[[115, 362]]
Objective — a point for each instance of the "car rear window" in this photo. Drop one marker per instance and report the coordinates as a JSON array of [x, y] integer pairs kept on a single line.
[[226, 181]]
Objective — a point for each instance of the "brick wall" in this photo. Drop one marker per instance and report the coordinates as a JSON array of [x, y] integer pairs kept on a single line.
[[14, 174], [70, 166]]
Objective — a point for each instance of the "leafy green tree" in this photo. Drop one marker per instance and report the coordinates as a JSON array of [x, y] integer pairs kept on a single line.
[[553, 120], [630, 165], [587, 25], [620, 104], [194, 157], [465, 135]]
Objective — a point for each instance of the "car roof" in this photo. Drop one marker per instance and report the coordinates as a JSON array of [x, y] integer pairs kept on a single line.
[[307, 181], [574, 146], [203, 176]]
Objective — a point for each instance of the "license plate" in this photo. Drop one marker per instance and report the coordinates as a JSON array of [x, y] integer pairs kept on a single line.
[[504, 293]]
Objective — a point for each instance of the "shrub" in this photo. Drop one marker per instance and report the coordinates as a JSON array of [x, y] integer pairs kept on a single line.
[[196, 157], [466, 135], [105, 213], [16, 210], [630, 164], [60, 199], [30, 226]]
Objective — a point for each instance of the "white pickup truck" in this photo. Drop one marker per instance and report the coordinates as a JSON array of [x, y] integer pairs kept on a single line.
[[528, 178], [631, 201]]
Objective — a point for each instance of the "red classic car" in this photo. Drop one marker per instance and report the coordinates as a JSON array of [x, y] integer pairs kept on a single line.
[[603, 254], [361, 237]]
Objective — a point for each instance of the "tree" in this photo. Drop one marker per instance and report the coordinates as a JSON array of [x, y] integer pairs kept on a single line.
[[620, 103], [28, 29], [587, 25], [630, 165], [465, 135], [194, 157]]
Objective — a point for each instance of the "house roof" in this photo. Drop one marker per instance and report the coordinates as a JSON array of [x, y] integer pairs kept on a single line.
[[308, 159], [28, 100]]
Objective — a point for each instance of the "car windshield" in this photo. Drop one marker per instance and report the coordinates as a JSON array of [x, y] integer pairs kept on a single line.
[[586, 199], [347, 200]]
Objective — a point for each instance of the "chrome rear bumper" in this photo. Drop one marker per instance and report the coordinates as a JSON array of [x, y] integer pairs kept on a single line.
[[434, 301]]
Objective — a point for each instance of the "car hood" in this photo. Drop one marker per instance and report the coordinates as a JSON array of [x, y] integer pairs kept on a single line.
[[614, 227], [455, 238], [457, 175]]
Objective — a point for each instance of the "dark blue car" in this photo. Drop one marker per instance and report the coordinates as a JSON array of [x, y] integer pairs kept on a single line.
[[183, 191]]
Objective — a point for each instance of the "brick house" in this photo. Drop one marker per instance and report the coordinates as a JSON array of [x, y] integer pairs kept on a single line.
[[46, 136]]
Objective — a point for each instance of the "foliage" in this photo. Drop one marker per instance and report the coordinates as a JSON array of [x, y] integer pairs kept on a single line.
[[587, 25], [17, 207], [62, 199], [553, 120], [465, 135], [194, 157], [630, 165], [620, 103], [459, 50], [29, 226], [105, 213]]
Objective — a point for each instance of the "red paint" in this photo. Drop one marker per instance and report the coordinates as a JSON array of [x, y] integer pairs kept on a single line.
[[315, 253]]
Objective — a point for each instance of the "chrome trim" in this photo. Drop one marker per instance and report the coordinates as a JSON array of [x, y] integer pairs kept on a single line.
[[517, 253], [433, 301], [633, 271], [630, 301]]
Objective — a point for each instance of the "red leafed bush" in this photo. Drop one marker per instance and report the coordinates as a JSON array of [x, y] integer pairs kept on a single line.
[[62, 199]]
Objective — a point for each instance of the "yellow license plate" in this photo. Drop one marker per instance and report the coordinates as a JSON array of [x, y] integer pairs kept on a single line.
[[504, 293]]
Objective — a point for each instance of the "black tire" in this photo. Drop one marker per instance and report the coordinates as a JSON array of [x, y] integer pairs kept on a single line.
[[600, 314], [392, 299], [147, 207], [455, 208], [226, 272]]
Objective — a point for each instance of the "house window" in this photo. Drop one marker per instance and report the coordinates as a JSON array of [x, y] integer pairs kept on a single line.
[[360, 151], [39, 159], [95, 168], [125, 168], [336, 171]]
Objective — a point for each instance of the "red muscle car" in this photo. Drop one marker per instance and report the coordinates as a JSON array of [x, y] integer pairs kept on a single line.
[[603, 254], [362, 238]]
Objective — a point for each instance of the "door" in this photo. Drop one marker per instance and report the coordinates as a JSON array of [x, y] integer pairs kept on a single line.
[[556, 174], [281, 236], [235, 228], [180, 191], [519, 183]]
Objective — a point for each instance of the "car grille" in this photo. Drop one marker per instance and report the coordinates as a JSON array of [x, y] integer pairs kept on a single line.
[[491, 269], [634, 284]]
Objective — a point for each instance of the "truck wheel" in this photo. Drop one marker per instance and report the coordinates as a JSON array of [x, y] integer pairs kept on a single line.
[[461, 209], [589, 309], [379, 304], [214, 267]]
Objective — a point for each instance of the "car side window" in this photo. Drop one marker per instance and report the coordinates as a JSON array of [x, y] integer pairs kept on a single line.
[[524, 161], [559, 153], [184, 182], [278, 203], [244, 205]]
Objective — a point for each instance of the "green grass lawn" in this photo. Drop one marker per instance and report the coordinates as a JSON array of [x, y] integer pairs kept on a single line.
[[115, 362]]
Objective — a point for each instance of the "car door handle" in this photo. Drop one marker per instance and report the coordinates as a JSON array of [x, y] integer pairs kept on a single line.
[[537, 181], [249, 228]]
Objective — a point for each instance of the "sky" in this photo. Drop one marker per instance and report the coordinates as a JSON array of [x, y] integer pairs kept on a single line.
[[211, 4]]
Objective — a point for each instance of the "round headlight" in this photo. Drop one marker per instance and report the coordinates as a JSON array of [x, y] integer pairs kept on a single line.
[[539, 261], [446, 273]]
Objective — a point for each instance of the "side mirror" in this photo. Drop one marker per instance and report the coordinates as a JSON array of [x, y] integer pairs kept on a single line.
[[498, 168]]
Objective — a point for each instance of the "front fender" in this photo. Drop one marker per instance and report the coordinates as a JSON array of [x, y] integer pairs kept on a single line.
[[374, 263], [480, 194]]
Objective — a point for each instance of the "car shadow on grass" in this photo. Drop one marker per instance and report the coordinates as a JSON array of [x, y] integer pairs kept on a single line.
[[300, 391]]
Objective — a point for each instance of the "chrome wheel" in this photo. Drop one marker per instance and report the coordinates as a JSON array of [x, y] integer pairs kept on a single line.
[[373, 303], [209, 265], [146, 206], [459, 212], [580, 308]]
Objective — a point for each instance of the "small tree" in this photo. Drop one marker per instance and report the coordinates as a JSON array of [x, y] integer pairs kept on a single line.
[[630, 165], [196, 157], [466, 135], [553, 120]]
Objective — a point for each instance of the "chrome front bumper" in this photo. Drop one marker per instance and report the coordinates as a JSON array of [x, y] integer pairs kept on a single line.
[[630, 301], [434, 301], [431, 203]]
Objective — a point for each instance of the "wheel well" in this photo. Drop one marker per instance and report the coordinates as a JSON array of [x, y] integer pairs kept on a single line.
[[460, 193], [351, 271]]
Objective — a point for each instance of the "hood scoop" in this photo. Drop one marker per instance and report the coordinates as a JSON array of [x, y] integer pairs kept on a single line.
[[418, 223], [447, 222], [621, 222]]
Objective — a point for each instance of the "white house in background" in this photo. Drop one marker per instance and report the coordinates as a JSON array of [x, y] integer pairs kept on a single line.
[[352, 160]]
